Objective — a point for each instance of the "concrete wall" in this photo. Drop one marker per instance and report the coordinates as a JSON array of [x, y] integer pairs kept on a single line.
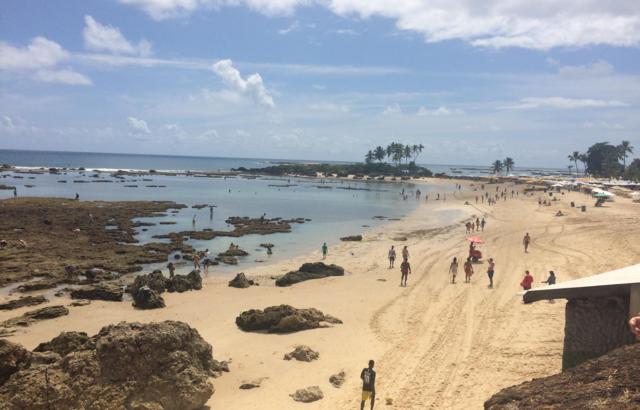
[[594, 326]]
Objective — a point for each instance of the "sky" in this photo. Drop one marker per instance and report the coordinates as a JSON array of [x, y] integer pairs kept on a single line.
[[473, 81]]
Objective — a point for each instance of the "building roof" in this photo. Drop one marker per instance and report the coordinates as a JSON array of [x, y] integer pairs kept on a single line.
[[616, 282]]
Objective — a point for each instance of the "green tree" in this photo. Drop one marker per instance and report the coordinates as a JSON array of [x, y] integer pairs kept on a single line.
[[575, 157], [632, 172], [603, 160], [369, 157], [583, 158], [379, 153], [407, 153], [508, 164], [625, 148], [497, 166], [416, 151]]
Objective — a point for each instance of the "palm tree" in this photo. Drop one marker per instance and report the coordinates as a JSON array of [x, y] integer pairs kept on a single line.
[[379, 153], [389, 151], [625, 148], [407, 151], [575, 157], [417, 150], [508, 164], [584, 158], [496, 166], [570, 167], [369, 157]]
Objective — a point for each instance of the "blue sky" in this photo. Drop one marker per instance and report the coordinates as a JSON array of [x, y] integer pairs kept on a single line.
[[320, 79]]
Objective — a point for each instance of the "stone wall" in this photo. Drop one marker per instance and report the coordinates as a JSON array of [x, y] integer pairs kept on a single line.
[[593, 327]]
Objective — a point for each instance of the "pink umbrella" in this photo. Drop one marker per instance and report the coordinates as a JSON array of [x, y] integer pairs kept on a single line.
[[475, 239]]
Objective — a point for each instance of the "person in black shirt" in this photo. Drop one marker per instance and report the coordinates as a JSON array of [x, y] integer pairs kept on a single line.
[[368, 376]]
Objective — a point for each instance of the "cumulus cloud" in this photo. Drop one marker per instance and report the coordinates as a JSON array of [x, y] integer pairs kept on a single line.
[[564, 103], [392, 109], [438, 112], [138, 126], [102, 37], [496, 24], [252, 86], [40, 53], [63, 76]]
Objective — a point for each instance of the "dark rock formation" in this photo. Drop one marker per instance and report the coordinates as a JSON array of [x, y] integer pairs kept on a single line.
[[128, 366], [233, 252], [240, 281], [337, 380], [64, 343], [227, 260], [283, 319], [49, 312], [23, 301], [267, 245], [352, 238], [154, 281], [309, 271], [183, 283], [302, 354], [108, 292], [13, 357], [611, 381], [38, 285], [147, 298], [308, 395]]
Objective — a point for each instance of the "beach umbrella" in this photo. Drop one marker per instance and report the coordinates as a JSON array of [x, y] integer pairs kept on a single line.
[[475, 239]]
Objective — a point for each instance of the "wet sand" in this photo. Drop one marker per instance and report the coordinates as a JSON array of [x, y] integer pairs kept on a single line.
[[436, 345]]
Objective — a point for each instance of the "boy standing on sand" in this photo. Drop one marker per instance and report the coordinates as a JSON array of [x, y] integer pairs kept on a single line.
[[453, 269], [468, 270], [490, 272], [325, 249], [405, 253], [392, 257], [405, 270], [368, 376], [526, 241]]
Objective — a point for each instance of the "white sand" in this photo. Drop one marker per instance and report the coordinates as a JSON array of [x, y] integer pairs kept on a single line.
[[436, 345]]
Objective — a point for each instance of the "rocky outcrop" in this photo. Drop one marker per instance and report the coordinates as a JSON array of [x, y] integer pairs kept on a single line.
[[283, 319], [227, 260], [611, 381], [22, 302], [129, 365], [13, 357], [233, 252], [302, 354], [110, 292], [147, 298], [352, 238], [64, 343], [337, 380], [154, 280], [38, 285], [308, 395], [241, 281], [183, 283], [49, 312], [309, 271]]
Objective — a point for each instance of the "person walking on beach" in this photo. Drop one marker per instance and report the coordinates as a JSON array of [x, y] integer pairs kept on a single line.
[[552, 278], [453, 269], [490, 272], [405, 270], [368, 376], [325, 250], [526, 281], [172, 270], [15, 192], [482, 224], [392, 256], [477, 224], [468, 270], [526, 241], [405, 253], [77, 196], [193, 221]]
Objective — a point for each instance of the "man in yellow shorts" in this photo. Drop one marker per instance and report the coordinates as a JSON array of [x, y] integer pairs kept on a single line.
[[368, 376]]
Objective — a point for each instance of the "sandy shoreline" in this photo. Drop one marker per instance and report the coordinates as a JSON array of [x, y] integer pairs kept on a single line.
[[436, 345]]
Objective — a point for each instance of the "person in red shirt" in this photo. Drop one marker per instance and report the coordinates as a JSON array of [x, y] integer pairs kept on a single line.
[[526, 281]]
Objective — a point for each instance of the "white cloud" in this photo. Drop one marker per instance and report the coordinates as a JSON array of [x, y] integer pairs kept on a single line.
[[564, 103], [602, 124], [438, 112], [597, 69], [517, 23], [346, 32], [7, 122], [295, 26], [101, 37], [40, 53], [63, 76], [138, 126], [392, 110], [329, 107], [252, 85]]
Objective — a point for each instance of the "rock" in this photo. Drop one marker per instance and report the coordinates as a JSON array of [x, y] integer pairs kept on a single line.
[[13, 357], [128, 366], [302, 354], [154, 280], [241, 281], [23, 301], [267, 245], [49, 312], [37, 285], [308, 395], [64, 343], [233, 252], [283, 319], [182, 283], [309, 271], [337, 380], [227, 260], [80, 302], [147, 298], [108, 292], [253, 384], [352, 238], [607, 382]]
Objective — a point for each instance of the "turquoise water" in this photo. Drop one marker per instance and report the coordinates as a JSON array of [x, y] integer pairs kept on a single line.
[[334, 212]]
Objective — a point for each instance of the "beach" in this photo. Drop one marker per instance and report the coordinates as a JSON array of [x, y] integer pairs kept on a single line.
[[436, 344]]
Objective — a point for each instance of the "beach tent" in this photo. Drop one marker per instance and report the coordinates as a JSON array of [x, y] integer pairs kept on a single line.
[[475, 239], [597, 312]]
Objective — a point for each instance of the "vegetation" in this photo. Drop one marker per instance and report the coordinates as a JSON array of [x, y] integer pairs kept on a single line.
[[400, 161], [508, 164], [602, 159]]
